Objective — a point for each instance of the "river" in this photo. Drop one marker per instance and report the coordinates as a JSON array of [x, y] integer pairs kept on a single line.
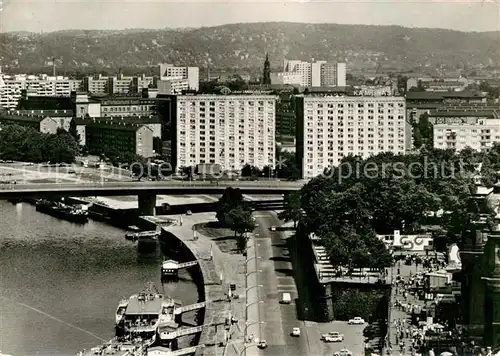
[[60, 282]]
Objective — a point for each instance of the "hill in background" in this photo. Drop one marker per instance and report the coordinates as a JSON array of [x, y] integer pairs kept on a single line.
[[243, 46]]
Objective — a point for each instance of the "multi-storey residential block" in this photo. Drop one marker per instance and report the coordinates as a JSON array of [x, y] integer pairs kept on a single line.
[[106, 136], [12, 87], [230, 130], [120, 84], [330, 128], [171, 72], [153, 122], [286, 78], [114, 106], [457, 130], [173, 86], [316, 74]]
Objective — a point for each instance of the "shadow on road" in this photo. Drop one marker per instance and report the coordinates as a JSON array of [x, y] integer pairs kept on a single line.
[[280, 259], [285, 271]]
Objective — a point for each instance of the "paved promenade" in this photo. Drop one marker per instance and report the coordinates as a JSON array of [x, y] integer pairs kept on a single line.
[[219, 270]]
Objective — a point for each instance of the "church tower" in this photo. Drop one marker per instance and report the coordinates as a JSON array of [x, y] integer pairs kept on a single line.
[[266, 77]]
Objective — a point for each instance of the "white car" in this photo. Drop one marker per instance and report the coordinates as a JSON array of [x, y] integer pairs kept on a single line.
[[273, 228], [262, 344], [343, 352], [356, 321], [332, 336], [296, 332]]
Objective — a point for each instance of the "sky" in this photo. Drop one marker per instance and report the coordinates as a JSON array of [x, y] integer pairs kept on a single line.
[[53, 15]]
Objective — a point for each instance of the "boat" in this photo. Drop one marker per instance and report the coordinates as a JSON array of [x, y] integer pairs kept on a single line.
[[144, 235], [77, 214], [143, 313]]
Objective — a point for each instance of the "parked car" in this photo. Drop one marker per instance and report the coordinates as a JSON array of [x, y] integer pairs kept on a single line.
[[356, 321], [343, 352], [262, 344], [286, 298], [332, 336], [296, 332], [273, 228]]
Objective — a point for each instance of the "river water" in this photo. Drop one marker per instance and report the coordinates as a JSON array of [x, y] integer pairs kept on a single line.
[[60, 283]]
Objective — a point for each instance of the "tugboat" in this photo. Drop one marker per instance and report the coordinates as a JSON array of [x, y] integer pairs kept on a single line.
[[142, 313], [63, 211]]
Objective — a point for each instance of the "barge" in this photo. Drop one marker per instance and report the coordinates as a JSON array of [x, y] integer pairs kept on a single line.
[[59, 210]]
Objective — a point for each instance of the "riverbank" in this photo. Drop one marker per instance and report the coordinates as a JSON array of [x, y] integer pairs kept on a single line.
[[218, 271]]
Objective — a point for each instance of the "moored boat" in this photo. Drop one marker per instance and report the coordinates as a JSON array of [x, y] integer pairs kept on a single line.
[[63, 211]]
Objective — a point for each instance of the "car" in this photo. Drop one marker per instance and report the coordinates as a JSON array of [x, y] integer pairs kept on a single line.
[[356, 321], [296, 332], [189, 212], [332, 336], [262, 344], [343, 352], [273, 228]]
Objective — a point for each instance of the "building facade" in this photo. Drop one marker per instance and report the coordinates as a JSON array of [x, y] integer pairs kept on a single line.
[[170, 72], [102, 137], [318, 73], [12, 87], [460, 129], [43, 124], [229, 130], [330, 128]]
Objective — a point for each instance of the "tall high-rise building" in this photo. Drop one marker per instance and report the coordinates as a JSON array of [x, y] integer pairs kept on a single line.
[[266, 75], [330, 128], [229, 130]]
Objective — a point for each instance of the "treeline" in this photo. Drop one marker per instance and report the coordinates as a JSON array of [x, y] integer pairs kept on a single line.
[[20, 143], [349, 205]]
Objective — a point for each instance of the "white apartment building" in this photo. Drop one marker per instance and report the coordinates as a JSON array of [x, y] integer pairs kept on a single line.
[[318, 73], [171, 72], [230, 130], [42, 85], [477, 130], [330, 128], [173, 86], [286, 78]]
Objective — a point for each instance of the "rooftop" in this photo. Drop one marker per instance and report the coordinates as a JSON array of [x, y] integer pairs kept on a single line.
[[116, 125], [23, 118], [141, 120], [148, 307], [45, 113], [464, 113], [432, 95]]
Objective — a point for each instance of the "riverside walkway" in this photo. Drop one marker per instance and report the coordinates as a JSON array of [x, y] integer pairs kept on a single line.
[[219, 271]]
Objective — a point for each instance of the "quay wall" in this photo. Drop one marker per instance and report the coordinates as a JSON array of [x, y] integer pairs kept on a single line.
[[174, 241]]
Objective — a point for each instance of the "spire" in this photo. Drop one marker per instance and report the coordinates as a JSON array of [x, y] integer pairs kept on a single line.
[[266, 77]]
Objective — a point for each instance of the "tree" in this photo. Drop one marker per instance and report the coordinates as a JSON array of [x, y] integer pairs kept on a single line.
[[250, 171], [267, 172], [240, 221], [29, 145], [286, 167], [231, 199], [292, 208], [187, 171]]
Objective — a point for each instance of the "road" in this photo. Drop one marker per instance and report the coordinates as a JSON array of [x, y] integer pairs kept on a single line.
[[275, 276], [274, 271]]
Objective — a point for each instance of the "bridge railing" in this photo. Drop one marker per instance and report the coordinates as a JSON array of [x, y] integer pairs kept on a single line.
[[161, 184]]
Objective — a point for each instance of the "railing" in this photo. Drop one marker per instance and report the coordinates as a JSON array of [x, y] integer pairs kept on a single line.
[[139, 185]]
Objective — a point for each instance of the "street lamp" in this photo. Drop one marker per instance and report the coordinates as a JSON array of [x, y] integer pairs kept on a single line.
[[246, 346], [249, 273], [247, 324], [256, 302], [253, 258], [258, 285]]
